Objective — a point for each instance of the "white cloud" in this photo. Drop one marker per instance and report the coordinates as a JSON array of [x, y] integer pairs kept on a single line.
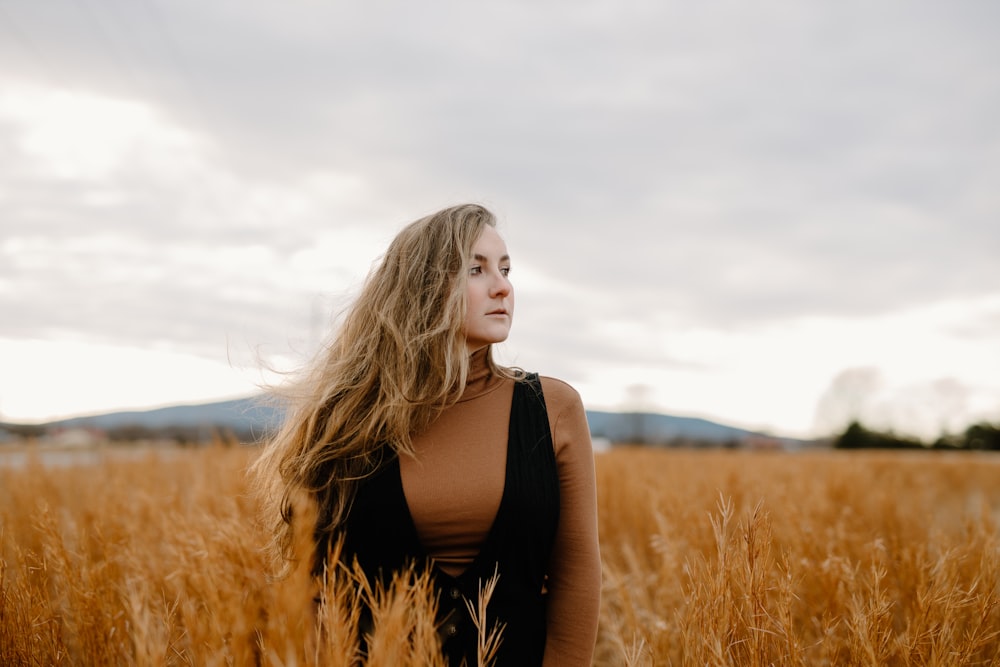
[[78, 135]]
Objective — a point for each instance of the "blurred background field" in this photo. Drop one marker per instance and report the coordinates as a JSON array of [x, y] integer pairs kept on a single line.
[[721, 557]]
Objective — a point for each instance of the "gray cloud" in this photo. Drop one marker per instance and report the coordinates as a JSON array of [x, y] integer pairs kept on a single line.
[[711, 165]]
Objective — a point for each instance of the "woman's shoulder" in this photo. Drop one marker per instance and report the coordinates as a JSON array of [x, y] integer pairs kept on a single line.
[[567, 418], [559, 394]]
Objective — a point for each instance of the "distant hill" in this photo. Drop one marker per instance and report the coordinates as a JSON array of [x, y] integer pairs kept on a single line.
[[242, 415], [646, 427], [254, 416]]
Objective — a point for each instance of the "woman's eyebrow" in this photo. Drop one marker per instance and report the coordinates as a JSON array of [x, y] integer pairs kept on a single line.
[[483, 258]]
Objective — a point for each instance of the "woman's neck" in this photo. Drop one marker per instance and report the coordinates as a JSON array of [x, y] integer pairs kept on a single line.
[[481, 378]]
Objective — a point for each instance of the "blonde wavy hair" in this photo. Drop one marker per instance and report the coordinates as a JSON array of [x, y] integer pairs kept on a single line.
[[398, 359]]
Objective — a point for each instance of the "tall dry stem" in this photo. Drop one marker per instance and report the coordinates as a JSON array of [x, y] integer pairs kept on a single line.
[[487, 639]]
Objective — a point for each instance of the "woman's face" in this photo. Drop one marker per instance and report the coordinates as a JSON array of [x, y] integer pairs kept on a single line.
[[489, 296]]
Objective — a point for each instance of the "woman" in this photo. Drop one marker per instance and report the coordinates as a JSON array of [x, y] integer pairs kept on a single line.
[[419, 448]]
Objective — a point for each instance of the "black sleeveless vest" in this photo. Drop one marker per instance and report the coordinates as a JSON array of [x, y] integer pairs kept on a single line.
[[380, 532]]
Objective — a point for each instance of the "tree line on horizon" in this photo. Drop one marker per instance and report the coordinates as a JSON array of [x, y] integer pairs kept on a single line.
[[982, 436]]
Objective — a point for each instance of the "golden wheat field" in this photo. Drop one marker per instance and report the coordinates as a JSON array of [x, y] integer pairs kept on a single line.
[[710, 558]]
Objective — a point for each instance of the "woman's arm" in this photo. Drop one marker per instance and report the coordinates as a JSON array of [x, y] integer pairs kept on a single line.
[[575, 567]]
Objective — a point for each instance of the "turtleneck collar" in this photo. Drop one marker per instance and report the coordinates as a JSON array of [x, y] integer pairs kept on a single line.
[[480, 380]]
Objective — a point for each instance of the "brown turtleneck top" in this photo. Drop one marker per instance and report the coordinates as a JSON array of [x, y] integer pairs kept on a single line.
[[454, 484]]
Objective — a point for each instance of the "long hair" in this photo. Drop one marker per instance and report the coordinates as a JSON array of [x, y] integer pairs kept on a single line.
[[398, 359]]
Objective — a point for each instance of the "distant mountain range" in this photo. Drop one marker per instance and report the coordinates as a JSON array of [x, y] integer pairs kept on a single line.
[[647, 427], [255, 417]]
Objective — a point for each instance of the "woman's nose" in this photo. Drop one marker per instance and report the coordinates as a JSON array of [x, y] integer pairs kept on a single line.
[[501, 285]]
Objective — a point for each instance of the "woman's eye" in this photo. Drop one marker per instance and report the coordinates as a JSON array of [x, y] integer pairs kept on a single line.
[[505, 271], [475, 270]]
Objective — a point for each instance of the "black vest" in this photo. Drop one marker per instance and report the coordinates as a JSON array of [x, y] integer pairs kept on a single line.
[[381, 533]]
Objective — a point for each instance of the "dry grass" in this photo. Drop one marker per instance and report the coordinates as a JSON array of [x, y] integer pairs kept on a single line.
[[727, 558], [711, 558]]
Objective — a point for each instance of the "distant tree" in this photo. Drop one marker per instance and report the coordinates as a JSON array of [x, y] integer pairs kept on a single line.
[[978, 436], [856, 436], [847, 399], [638, 403], [949, 442], [983, 436]]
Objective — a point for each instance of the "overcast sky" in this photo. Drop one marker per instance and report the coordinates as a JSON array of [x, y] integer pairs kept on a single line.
[[778, 215]]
